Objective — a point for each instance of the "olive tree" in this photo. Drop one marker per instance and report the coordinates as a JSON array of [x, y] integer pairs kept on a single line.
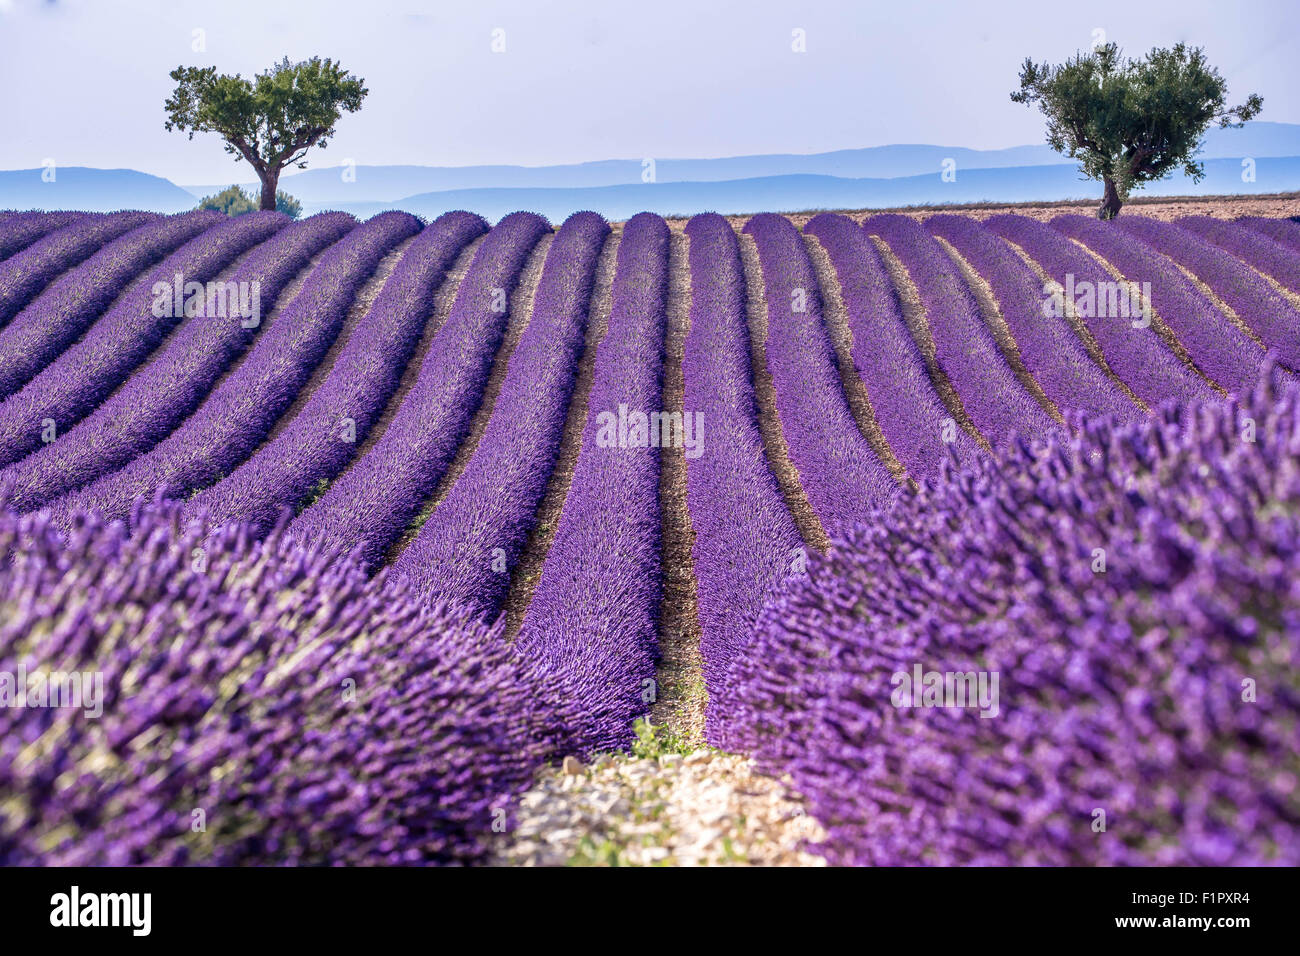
[[1131, 121], [270, 121]]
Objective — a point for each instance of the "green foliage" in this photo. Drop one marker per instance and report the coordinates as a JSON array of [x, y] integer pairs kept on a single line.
[[314, 495], [234, 201], [287, 204], [1131, 121], [654, 742], [592, 853], [270, 121]]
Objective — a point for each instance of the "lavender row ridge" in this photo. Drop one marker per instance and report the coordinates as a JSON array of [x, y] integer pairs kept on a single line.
[[367, 507]]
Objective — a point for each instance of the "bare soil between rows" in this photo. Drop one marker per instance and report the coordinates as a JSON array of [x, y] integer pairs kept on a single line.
[[1164, 208]]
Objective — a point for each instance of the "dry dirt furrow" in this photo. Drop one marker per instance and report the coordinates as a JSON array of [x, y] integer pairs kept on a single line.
[[520, 312], [991, 311], [679, 705], [528, 569], [836, 317], [769, 421], [918, 323]]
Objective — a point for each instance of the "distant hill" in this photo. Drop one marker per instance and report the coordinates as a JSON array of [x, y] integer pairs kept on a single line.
[[392, 183], [801, 192], [388, 184], [94, 190], [853, 178]]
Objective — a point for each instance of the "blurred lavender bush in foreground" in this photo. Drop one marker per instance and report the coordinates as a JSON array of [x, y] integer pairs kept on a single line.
[[1147, 712], [261, 704]]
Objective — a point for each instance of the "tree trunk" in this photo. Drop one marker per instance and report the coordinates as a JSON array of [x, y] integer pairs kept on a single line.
[[1111, 202], [270, 182]]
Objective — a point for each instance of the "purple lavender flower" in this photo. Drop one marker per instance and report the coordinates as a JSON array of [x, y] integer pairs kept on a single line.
[[53, 321], [466, 548], [1221, 350], [20, 229], [373, 501], [591, 623], [156, 401], [1133, 351], [746, 542], [1244, 291], [839, 471], [299, 711], [885, 356], [25, 274], [323, 435], [965, 350], [247, 402], [1121, 608], [1052, 353]]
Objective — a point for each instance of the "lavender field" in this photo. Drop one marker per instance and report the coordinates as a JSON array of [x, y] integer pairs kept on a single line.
[[982, 535]]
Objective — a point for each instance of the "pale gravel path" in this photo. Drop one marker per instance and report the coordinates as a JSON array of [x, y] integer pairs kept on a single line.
[[703, 809]]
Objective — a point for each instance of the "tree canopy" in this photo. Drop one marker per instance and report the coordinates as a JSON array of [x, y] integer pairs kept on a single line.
[[1131, 121], [271, 121]]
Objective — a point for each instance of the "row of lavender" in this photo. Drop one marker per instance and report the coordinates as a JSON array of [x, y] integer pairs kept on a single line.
[[20, 230], [477, 532], [40, 333], [591, 625], [998, 567], [153, 430], [740, 555], [1080, 656], [52, 384], [25, 274], [213, 604], [213, 649], [244, 703]]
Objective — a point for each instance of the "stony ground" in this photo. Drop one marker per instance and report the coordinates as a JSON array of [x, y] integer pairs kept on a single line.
[[659, 808]]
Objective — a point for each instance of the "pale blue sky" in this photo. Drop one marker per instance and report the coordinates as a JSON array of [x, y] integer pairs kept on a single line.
[[84, 80]]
